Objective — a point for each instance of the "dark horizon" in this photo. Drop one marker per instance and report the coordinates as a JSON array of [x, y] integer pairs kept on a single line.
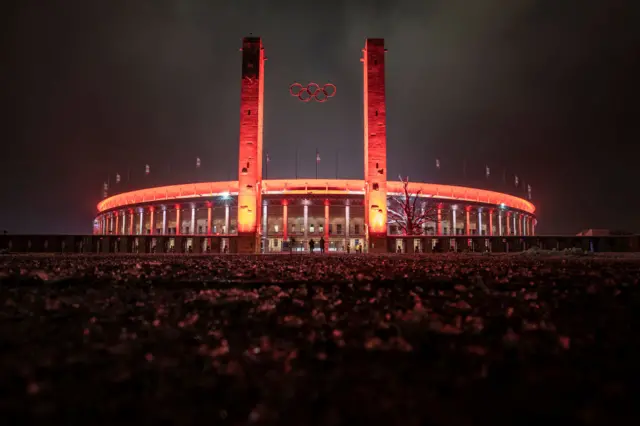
[[542, 90]]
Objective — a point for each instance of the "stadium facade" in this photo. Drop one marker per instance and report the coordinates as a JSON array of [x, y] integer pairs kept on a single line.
[[252, 214]]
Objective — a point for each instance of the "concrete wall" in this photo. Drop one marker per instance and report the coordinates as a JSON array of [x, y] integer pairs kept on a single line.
[[214, 244]]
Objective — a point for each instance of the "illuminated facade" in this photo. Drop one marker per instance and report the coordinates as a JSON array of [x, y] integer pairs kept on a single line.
[[252, 214]]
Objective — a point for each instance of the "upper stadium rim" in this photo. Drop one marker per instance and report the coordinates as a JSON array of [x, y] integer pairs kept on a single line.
[[299, 188]]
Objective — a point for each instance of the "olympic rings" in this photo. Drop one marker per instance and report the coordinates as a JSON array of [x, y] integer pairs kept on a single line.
[[312, 91]]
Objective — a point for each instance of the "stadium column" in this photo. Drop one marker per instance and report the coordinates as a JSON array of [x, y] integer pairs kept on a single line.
[[467, 220], [141, 224], [534, 222], [178, 223], [500, 229], [192, 227], [226, 219], [479, 221], [439, 220], [285, 220], [347, 216], [305, 223], [164, 221], [263, 228], [514, 225], [326, 225], [209, 212], [375, 144], [131, 214], [123, 213], [250, 155], [491, 222], [531, 225], [453, 221], [117, 228], [152, 220]]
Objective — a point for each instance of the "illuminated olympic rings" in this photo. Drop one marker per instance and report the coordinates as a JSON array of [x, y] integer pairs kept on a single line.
[[312, 91]]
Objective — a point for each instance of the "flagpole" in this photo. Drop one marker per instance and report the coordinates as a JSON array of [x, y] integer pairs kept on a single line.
[[316, 163], [296, 162], [337, 154]]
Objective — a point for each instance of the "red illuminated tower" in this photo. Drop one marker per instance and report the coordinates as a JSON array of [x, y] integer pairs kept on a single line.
[[250, 156], [375, 144]]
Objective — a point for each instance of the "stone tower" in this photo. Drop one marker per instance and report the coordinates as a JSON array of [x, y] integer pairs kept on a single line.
[[375, 144], [250, 155]]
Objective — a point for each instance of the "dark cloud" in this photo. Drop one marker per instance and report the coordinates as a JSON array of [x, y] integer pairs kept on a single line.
[[546, 89]]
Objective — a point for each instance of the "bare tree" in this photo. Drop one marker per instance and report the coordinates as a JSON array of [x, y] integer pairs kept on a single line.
[[410, 211]]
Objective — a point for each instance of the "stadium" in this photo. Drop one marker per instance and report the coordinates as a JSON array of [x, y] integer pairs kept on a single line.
[[253, 214]]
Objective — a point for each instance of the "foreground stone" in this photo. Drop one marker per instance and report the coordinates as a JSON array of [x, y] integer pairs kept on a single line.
[[443, 339]]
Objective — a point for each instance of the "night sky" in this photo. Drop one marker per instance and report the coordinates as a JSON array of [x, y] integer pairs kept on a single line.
[[544, 89]]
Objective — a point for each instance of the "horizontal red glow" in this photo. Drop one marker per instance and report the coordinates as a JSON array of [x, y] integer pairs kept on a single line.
[[175, 193]]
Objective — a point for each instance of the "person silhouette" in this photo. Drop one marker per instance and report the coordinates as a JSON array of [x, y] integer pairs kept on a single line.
[[322, 242], [312, 245]]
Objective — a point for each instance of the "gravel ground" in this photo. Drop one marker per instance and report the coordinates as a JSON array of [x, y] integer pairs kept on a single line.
[[319, 340]]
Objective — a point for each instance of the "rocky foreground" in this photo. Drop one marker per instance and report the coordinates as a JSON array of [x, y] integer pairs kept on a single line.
[[319, 340]]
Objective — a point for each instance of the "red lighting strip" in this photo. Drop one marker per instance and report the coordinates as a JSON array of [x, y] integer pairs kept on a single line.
[[314, 186]]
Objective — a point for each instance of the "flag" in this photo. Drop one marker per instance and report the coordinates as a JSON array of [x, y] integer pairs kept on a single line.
[[529, 191], [317, 156], [487, 171], [517, 180], [438, 163], [105, 189], [198, 162], [147, 169], [117, 177]]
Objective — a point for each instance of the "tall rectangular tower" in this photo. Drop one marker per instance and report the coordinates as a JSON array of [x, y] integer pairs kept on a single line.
[[250, 156], [375, 143]]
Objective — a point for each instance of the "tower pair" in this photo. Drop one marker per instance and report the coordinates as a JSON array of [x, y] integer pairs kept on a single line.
[[250, 154]]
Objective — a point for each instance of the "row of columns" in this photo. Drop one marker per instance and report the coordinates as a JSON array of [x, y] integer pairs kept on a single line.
[[111, 223], [509, 222], [305, 220]]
